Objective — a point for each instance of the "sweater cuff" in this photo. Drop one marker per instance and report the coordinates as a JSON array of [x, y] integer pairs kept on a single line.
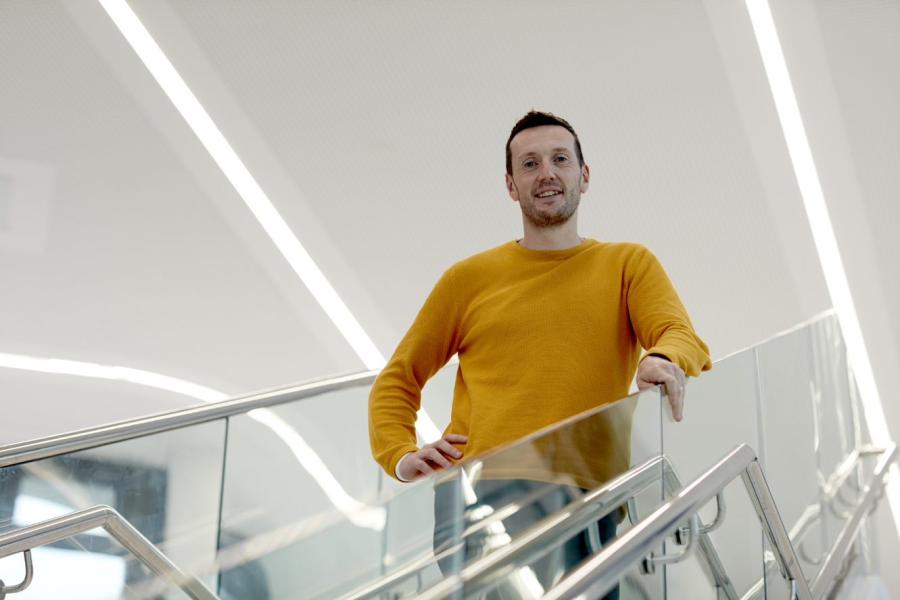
[[669, 354]]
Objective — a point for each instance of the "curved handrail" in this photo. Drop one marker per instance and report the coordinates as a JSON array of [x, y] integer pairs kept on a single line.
[[100, 435], [572, 518], [825, 579], [601, 573], [66, 526], [813, 513], [577, 515]]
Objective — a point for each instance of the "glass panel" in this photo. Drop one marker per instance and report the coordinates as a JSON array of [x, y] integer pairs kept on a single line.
[[539, 476], [788, 396], [837, 431], [833, 396], [482, 507], [288, 475], [720, 413], [811, 413], [166, 485]]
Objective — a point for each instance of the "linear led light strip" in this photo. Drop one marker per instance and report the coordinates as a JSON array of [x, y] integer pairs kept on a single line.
[[372, 517], [822, 230], [249, 190]]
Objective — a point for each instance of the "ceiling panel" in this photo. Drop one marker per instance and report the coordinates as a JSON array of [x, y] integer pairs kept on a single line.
[[383, 124], [120, 243]]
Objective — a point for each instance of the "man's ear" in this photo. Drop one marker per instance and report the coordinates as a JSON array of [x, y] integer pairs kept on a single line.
[[585, 177], [511, 188]]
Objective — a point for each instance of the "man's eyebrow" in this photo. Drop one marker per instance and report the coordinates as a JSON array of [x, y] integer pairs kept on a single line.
[[554, 150]]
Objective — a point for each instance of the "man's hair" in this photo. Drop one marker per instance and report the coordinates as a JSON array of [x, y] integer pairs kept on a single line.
[[537, 118]]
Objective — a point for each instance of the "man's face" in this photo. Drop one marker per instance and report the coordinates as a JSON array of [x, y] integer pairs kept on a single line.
[[546, 179]]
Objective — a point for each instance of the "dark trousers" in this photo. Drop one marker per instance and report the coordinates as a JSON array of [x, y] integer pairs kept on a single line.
[[456, 509]]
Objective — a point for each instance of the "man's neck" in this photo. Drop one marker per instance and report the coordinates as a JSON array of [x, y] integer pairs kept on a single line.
[[561, 237]]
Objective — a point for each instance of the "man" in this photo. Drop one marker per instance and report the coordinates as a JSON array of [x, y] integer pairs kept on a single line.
[[545, 327]]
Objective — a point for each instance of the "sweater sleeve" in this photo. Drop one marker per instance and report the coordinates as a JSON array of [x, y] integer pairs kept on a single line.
[[658, 317], [395, 397]]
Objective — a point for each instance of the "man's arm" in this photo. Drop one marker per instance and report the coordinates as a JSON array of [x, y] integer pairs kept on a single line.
[[674, 350], [395, 397]]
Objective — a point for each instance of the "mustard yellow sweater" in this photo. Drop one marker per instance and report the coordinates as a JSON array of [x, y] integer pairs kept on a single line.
[[541, 336]]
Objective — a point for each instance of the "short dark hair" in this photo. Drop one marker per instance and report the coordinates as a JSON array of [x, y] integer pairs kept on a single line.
[[536, 118]]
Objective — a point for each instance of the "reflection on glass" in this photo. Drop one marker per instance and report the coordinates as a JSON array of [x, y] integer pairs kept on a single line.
[[835, 426], [290, 474], [720, 412], [788, 392], [492, 504], [514, 521], [811, 413], [502, 502], [166, 485]]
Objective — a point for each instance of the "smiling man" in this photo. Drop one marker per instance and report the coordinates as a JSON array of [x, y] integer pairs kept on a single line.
[[545, 327]]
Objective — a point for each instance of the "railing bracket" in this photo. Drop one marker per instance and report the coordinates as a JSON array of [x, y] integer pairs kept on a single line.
[[648, 565], [21, 587], [682, 534]]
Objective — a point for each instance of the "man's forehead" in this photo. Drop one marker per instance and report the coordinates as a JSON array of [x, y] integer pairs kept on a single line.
[[543, 138]]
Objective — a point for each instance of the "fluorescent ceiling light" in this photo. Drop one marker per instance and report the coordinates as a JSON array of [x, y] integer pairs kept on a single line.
[[822, 231], [58, 366], [372, 517], [250, 191]]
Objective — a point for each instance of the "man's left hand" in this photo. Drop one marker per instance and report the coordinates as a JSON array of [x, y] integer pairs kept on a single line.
[[654, 370]]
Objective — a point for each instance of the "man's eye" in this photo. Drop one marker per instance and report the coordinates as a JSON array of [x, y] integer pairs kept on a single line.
[[562, 158], [529, 164]]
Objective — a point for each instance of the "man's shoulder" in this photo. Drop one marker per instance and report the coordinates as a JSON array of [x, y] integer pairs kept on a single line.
[[623, 252], [478, 263], [624, 248]]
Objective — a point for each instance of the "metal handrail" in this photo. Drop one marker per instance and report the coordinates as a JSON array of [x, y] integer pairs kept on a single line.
[[825, 579], [813, 513], [602, 572], [60, 528], [579, 513], [572, 518], [101, 435], [717, 569], [419, 564], [92, 437]]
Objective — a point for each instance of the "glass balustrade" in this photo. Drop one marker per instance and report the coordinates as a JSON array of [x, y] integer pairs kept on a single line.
[[168, 486], [720, 412], [259, 504], [435, 528]]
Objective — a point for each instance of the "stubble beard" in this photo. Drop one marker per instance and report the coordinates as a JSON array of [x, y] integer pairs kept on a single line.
[[554, 218]]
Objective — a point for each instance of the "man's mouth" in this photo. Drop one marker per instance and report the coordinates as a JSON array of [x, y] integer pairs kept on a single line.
[[548, 193]]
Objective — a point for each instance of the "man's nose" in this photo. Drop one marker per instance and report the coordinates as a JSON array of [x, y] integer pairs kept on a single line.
[[545, 171]]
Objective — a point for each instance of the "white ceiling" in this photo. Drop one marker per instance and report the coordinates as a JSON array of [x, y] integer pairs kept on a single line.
[[377, 129]]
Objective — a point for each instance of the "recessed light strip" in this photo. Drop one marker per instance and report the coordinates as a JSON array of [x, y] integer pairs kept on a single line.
[[822, 230], [249, 190], [237, 173]]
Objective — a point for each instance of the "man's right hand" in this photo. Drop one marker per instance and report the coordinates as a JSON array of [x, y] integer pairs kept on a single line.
[[430, 458]]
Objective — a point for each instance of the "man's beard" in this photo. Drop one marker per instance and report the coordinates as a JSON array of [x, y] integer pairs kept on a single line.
[[557, 216]]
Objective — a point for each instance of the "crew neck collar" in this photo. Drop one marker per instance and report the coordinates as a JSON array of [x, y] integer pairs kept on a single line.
[[551, 254]]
